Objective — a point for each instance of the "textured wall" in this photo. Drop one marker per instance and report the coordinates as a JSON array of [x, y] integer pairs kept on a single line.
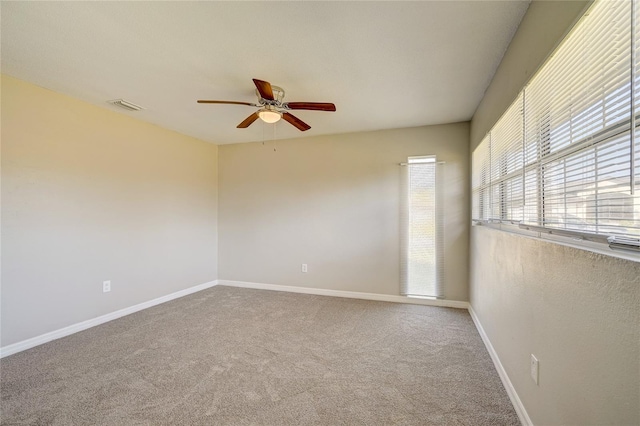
[[90, 195], [577, 311], [333, 202]]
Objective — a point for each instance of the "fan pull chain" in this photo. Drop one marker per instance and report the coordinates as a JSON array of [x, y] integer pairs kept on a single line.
[[275, 134]]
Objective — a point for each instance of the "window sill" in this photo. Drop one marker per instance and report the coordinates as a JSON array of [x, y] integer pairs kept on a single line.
[[574, 242]]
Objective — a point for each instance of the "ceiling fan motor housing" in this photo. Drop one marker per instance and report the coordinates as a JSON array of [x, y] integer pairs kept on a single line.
[[278, 96]]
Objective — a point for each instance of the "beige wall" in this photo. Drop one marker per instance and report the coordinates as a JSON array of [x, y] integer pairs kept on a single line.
[[333, 202], [577, 311], [90, 195]]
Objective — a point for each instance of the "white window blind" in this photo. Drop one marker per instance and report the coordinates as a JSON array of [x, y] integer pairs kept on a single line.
[[577, 125], [422, 217], [506, 164], [636, 105], [562, 156], [481, 181]]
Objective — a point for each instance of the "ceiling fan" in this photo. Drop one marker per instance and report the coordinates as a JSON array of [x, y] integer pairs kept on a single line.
[[272, 109]]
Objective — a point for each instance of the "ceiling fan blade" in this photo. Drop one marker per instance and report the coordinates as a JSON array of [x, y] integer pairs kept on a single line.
[[225, 102], [247, 121], [301, 125], [264, 88], [312, 106]]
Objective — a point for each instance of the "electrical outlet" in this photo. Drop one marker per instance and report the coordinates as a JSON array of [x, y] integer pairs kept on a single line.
[[534, 368], [304, 268], [106, 286]]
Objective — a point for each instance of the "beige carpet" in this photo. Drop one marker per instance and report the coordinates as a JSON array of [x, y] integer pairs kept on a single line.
[[230, 356]]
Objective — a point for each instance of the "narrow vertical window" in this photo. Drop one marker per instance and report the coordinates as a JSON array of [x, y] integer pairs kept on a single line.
[[422, 229]]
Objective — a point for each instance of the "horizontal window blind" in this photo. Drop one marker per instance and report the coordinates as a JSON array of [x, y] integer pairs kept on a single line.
[[636, 106], [422, 262], [584, 87], [565, 154], [507, 145], [480, 177]]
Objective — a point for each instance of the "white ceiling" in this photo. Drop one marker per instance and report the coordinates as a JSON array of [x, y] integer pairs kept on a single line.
[[384, 64]]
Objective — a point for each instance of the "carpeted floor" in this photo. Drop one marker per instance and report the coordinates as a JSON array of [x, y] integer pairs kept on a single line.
[[232, 356]]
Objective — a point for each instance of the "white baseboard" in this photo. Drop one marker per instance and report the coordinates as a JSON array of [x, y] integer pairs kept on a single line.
[[66, 331], [511, 391], [347, 294], [74, 328]]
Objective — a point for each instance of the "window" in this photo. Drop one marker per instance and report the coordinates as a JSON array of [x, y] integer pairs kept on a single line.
[[481, 182], [422, 263], [565, 155]]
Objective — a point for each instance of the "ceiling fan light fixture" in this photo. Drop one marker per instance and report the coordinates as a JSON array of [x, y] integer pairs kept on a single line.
[[269, 116]]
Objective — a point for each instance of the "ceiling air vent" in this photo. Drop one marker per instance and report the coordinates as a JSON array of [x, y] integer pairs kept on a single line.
[[126, 105]]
